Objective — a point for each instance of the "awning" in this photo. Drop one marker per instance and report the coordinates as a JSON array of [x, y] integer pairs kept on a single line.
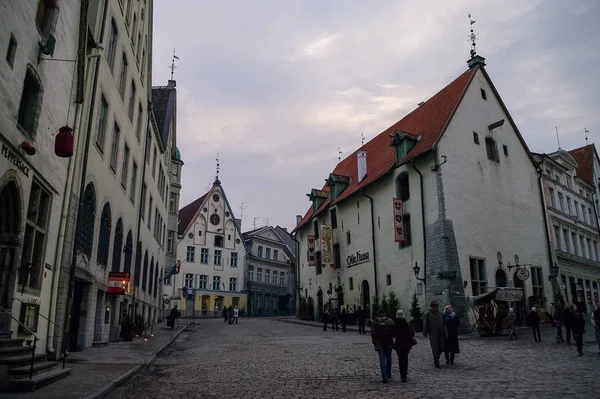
[[501, 294], [115, 290]]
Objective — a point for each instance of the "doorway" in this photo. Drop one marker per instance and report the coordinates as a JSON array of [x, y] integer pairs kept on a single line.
[[75, 316], [366, 297]]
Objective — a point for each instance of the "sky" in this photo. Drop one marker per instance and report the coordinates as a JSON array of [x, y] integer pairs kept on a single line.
[[278, 88]]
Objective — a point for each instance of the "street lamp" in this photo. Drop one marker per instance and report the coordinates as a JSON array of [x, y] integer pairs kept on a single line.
[[417, 269]]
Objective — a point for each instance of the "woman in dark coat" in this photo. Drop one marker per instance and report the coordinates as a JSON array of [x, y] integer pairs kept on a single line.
[[404, 341], [451, 344]]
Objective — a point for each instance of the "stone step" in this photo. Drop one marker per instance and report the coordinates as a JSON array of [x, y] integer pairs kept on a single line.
[[19, 360], [38, 381], [5, 343], [38, 368], [14, 351]]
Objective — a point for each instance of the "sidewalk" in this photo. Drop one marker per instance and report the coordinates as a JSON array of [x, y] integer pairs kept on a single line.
[[97, 371]]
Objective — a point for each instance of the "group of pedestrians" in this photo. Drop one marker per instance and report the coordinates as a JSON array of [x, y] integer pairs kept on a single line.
[[573, 321], [388, 335], [340, 317], [230, 314]]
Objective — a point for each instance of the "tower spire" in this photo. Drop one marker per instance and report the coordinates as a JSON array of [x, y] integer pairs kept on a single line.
[[586, 135], [173, 67], [218, 168], [362, 139], [472, 37], [339, 155]]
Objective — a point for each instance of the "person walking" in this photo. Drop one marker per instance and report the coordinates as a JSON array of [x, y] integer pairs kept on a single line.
[[597, 325], [225, 314], [335, 318], [361, 317], [325, 318], [382, 337], [451, 323], [173, 316], [558, 322], [534, 322], [512, 324], [404, 341], [578, 329], [343, 319], [433, 327], [236, 313], [568, 322], [230, 314]]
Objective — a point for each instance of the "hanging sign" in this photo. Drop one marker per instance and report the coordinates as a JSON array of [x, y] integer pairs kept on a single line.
[[357, 258], [399, 234], [522, 274], [13, 158], [119, 276], [311, 250], [326, 245]]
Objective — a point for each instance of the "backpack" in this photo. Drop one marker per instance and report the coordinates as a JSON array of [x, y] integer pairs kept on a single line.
[[385, 330]]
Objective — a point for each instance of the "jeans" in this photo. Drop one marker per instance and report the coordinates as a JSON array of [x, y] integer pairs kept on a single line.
[[579, 342], [559, 335], [536, 329], [235, 317], [403, 363], [385, 363]]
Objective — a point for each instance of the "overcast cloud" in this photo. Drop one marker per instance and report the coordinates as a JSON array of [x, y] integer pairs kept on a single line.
[[275, 87]]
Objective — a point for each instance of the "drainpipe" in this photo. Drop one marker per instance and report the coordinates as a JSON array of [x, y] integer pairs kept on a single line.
[[543, 203], [362, 191], [84, 167], [296, 253], [414, 165]]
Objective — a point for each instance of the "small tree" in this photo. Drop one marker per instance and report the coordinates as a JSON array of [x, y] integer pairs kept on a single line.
[[384, 305], [393, 304], [415, 309], [375, 307]]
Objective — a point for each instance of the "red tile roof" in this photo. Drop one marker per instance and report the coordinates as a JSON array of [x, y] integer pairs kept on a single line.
[[585, 162], [187, 213], [427, 121]]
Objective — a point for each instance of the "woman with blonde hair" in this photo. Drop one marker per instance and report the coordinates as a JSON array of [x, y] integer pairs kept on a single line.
[[451, 345], [404, 341]]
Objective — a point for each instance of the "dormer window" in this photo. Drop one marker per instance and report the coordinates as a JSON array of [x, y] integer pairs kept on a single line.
[[403, 143]]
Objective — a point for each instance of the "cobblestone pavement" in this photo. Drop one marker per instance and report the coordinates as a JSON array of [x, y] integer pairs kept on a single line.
[[267, 358]]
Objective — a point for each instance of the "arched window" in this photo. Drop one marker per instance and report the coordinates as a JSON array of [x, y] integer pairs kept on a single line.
[[402, 189], [156, 280], [145, 272], [500, 278], [151, 279], [31, 102], [128, 253], [86, 221], [138, 264], [47, 14], [492, 149], [117, 247], [104, 236]]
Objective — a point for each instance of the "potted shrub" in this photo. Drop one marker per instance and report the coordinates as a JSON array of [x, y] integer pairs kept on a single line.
[[416, 323]]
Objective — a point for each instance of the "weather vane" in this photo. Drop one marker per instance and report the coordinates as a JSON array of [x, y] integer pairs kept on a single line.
[[218, 168], [472, 37], [586, 135], [173, 67], [339, 155], [362, 139]]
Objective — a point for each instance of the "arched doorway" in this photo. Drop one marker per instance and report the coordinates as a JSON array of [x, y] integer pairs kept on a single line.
[[501, 278], [519, 307], [320, 304], [366, 297], [10, 226]]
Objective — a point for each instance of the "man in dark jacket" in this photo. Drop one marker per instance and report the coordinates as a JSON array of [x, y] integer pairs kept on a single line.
[[382, 337], [597, 324], [578, 329], [361, 317], [534, 322], [568, 322]]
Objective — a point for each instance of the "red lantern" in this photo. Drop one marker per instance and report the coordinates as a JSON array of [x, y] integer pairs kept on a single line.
[[63, 145], [28, 147]]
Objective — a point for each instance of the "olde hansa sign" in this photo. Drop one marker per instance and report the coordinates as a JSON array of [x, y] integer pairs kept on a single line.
[[357, 258]]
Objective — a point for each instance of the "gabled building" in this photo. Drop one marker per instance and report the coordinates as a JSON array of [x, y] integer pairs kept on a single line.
[[270, 275], [439, 204], [212, 253]]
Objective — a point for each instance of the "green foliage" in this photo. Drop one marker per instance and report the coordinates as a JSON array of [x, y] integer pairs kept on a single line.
[[375, 306], [302, 308], [384, 305], [415, 309], [393, 304]]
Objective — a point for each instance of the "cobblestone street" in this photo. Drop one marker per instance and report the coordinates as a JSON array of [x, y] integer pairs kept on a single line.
[[267, 358]]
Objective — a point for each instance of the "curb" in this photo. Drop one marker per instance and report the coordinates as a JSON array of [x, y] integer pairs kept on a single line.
[[113, 384]]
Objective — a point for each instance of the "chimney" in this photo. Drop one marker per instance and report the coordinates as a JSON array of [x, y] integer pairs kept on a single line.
[[361, 160], [421, 103], [298, 219]]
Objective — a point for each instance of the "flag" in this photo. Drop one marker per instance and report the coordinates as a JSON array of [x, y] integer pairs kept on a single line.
[[175, 269]]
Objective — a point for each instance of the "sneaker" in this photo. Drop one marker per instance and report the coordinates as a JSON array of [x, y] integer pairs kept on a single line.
[[384, 381]]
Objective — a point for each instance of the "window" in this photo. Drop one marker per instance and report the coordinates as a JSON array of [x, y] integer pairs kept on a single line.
[[87, 221], [552, 200], [589, 249], [557, 241], [216, 283], [267, 276], [275, 254], [583, 214], [125, 169], [117, 247], [333, 216], [318, 265], [174, 169], [134, 30], [171, 240], [351, 284], [478, 276], [29, 317], [145, 272], [114, 151], [561, 202], [260, 251], [204, 256], [138, 129], [574, 243], [348, 240], [596, 253], [104, 236], [250, 273], [569, 210], [566, 237], [143, 64], [128, 14], [476, 137], [282, 278], [34, 239], [46, 16], [582, 246], [259, 274], [112, 45], [12, 51], [139, 47], [234, 259], [151, 283], [190, 255], [316, 229], [268, 253], [149, 213], [402, 189], [173, 203], [337, 258], [483, 94], [232, 284], [407, 233], [203, 282], [492, 149], [31, 103], [134, 170], [154, 162], [537, 282], [143, 200], [189, 280], [576, 206], [128, 251], [388, 279], [505, 148], [217, 257], [123, 77], [219, 241], [101, 129], [591, 216], [132, 101]]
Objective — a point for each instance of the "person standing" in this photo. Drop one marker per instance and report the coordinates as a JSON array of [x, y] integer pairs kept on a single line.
[[382, 337], [568, 322], [335, 318], [578, 329], [325, 318], [512, 324], [403, 343], [597, 325], [558, 321], [451, 323], [173, 316], [236, 313], [225, 312], [433, 327], [343, 319], [534, 322], [361, 317], [230, 314]]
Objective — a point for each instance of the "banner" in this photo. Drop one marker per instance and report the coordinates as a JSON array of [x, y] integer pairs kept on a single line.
[[326, 245], [399, 234], [311, 250]]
